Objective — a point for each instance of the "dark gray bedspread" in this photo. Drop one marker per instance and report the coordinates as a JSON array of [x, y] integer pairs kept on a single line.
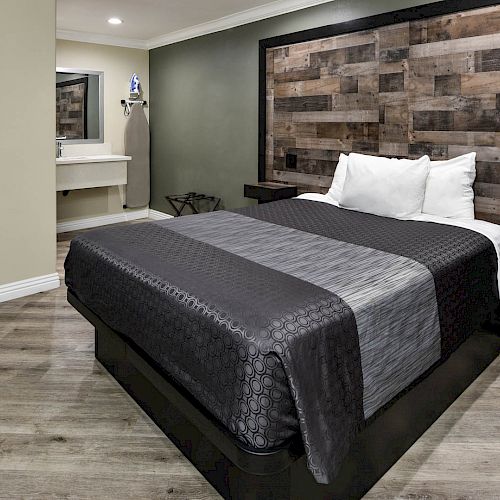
[[289, 316]]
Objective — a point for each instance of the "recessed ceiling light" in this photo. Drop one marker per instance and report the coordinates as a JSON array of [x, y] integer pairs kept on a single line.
[[114, 20]]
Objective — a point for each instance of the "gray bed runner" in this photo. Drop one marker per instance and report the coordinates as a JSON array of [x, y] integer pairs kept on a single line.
[[386, 292]]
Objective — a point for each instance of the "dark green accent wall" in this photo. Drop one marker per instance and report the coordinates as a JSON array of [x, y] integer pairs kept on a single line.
[[204, 102]]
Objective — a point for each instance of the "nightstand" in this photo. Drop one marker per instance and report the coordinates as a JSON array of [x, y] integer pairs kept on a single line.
[[269, 191]]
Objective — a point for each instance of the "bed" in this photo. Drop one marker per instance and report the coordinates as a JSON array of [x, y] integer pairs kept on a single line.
[[297, 349], [293, 324]]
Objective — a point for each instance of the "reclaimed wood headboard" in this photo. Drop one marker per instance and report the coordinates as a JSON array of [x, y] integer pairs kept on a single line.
[[429, 84]]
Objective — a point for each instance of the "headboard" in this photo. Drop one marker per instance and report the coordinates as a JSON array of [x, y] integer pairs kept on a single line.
[[429, 84]]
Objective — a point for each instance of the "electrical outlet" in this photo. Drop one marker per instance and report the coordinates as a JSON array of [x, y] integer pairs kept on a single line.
[[291, 161]]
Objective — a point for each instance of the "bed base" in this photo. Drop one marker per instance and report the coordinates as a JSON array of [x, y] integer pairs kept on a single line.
[[239, 473]]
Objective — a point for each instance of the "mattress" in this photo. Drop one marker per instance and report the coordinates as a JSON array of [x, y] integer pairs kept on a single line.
[[290, 317]]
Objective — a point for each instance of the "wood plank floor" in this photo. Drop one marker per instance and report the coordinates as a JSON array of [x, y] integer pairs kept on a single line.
[[68, 430]]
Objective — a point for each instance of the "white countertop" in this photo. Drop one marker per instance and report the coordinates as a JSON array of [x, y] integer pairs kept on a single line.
[[70, 160]]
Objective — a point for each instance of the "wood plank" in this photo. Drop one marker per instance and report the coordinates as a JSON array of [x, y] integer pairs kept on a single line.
[[279, 116], [366, 147], [349, 85], [303, 104], [303, 188], [444, 64], [480, 83], [394, 133], [343, 145], [421, 86], [487, 60], [391, 82], [393, 55], [304, 179], [393, 67], [347, 55], [279, 53], [337, 116], [308, 87], [282, 144], [368, 84], [481, 22], [297, 75], [487, 190], [324, 144], [453, 137], [447, 84], [418, 32], [434, 151], [489, 206], [336, 42], [307, 166], [298, 63], [452, 103], [314, 154], [433, 120], [351, 102], [395, 35], [484, 153], [366, 68], [487, 172], [290, 130], [482, 120], [494, 218], [396, 115], [393, 98], [398, 150], [349, 131], [483, 42]]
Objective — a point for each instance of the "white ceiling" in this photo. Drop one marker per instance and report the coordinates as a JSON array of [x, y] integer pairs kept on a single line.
[[150, 23]]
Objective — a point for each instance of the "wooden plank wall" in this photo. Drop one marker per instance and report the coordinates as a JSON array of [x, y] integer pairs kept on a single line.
[[425, 87]]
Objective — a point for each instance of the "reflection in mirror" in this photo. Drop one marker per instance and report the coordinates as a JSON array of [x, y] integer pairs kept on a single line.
[[79, 105]]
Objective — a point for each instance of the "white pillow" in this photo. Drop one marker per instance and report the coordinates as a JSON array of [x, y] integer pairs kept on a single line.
[[449, 190], [338, 178], [385, 186]]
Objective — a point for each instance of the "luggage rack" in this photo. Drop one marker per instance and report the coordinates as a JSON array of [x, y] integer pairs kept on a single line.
[[188, 200]]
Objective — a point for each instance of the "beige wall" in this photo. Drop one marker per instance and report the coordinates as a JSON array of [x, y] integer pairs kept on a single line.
[[27, 153], [118, 65]]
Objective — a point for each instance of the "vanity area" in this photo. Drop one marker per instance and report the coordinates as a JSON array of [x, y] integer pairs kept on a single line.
[[96, 174], [83, 159], [91, 166]]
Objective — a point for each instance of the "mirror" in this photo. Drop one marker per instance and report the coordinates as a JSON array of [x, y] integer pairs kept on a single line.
[[79, 105]]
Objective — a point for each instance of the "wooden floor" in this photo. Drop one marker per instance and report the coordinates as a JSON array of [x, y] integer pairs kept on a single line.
[[68, 430]]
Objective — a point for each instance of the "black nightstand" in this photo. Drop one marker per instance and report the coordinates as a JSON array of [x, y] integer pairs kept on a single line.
[[270, 191]]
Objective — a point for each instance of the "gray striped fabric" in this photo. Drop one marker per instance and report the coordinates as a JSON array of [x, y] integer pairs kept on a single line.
[[393, 298]]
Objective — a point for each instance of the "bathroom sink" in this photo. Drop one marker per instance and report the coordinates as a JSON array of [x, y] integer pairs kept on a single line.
[[91, 171], [74, 159], [65, 160]]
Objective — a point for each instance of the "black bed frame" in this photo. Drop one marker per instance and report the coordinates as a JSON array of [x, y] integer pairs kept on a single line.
[[240, 473]]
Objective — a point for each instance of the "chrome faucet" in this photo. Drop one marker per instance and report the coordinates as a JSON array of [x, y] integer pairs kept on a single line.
[[59, 146]]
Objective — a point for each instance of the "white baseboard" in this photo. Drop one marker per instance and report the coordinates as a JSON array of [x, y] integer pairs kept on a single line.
[[29, 286], [102, 220], [157, 215]]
